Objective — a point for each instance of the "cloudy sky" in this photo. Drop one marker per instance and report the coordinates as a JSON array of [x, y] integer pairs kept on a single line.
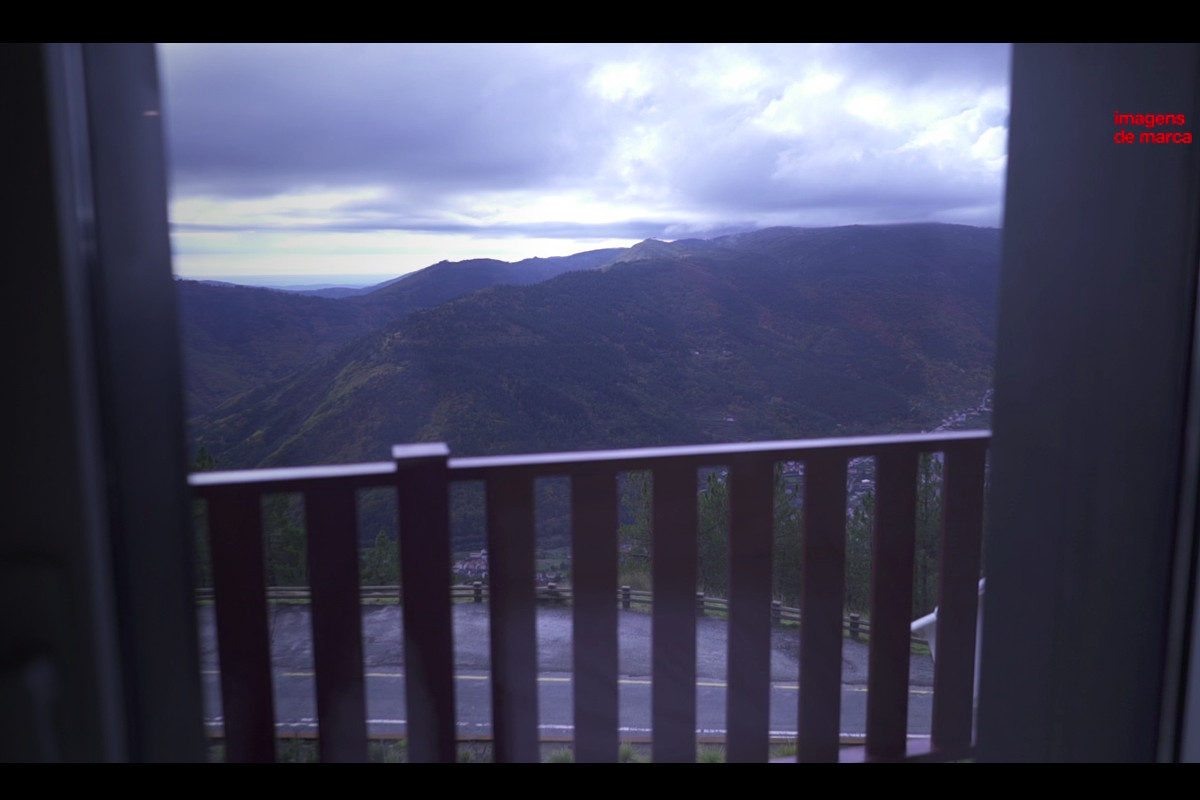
[[357, 159]]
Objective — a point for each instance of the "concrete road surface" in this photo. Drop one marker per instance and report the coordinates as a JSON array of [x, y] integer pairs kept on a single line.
[[384, 664]]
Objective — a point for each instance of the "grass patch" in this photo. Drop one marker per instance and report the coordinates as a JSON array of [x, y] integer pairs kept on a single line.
[[785, 750], [294, 750], [304, 750], [474, 753], [628, 755], [387, 751]]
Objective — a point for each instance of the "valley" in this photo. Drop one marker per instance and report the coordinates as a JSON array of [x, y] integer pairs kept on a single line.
[[777, 333]]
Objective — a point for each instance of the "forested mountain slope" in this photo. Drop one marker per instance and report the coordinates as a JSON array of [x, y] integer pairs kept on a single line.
[[777, 333]]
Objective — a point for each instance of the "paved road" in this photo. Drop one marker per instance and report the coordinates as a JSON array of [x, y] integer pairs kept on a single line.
[[295, 708]]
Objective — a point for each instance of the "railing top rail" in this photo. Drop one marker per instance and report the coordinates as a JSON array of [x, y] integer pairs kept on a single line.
[[379, 473], [714, 454], [294, 478]]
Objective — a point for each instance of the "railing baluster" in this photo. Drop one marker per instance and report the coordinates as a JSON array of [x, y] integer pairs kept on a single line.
[[331, 521], [751, 496], [424, 504], [674, 571], [510, 536], [422, 474], [958, 597], [822, 587], [239, 588], [891, 604], [594, 574]]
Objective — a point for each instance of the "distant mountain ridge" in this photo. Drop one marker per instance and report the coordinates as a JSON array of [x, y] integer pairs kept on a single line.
[[236, 338], [781, 332]]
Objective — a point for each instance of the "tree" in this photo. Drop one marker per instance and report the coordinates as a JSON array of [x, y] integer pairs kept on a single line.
[[380, 563], [286, 541], [858, 554], [929, 535], [714, 536], [634, 533], [789, 534], [205, 461], [860, 533]]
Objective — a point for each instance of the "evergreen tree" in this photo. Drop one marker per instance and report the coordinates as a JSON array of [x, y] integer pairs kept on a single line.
[[380, 563], [285, 540], [858, 554], [788, 530], [634, 533], [714, 536], [205, 461], [860, 532], [787, 535], [929, 535]]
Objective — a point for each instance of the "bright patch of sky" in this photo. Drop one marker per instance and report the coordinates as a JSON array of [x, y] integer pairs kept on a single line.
[[353, 159]]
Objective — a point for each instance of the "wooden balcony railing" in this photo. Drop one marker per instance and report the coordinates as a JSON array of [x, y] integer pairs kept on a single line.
[[421, 476]]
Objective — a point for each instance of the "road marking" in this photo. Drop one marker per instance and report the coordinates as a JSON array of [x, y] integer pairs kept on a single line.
[[310, 722], [792, 687]]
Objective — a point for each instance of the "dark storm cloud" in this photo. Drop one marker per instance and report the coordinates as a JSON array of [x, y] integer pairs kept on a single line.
[[247, 120], [566, 142]]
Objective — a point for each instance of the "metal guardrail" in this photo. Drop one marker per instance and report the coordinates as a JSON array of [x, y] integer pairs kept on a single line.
[[856, 627]]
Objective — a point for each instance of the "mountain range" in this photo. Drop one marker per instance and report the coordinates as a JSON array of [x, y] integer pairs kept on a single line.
[[776, 333]]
